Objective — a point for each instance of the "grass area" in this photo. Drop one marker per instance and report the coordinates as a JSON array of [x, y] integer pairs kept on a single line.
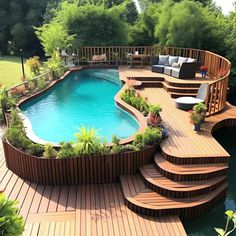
[[10, 70]]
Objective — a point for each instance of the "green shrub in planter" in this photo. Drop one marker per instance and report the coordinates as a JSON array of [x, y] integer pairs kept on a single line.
[[88, 142], [11, 224], [17, 138], [66, 150], [35, 149], [117, 147], [149, 137], [15, 120], [49, 151]]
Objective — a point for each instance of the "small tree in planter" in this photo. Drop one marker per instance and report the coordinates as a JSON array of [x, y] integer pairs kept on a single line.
[[196, 120], [200, 109], [154, 117]]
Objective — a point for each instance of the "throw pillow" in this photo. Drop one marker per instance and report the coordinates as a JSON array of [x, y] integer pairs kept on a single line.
[[176, 65], [162, 59], [191, 60], [182, 60], [173, 59]]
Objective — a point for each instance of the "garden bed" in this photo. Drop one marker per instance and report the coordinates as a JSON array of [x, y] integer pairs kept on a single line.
[[92, 169]]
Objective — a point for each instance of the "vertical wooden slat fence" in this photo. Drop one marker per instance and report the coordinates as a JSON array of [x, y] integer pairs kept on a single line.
[[92, 169]]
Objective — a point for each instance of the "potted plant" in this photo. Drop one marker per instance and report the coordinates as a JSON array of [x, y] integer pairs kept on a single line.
[[154, 117], [196, 120], [203, 71], [201, 109]]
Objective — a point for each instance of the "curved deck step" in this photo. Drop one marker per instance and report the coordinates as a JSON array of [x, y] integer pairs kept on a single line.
[[178, 189], [143, 200], [189, 172]]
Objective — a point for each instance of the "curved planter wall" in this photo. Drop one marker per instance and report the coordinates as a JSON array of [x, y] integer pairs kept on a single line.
[[73, 171]]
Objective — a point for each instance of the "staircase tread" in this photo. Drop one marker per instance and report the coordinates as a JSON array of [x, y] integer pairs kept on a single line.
[[137, 193], [188, 169], [151, 174]]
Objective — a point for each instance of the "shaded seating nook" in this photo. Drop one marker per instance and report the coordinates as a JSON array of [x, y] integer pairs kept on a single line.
[[187, 103], [178, 67]]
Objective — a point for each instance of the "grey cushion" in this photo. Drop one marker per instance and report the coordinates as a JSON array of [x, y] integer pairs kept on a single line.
[[176, 65], [163, 59], [167, 70], [182, 60], [172, 59], [191, 60]]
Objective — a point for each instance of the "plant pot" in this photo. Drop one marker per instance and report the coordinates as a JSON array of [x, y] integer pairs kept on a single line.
[[197, 127], [203, 74]]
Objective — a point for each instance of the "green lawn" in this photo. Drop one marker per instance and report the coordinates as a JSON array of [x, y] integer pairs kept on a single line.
[[10, 70]]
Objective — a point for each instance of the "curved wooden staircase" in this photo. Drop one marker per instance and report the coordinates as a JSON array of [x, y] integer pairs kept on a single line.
[[165, 188]]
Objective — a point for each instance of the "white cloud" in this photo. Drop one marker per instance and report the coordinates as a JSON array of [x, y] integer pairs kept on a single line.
[[226, 5]]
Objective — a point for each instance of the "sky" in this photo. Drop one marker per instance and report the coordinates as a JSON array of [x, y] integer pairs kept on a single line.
[[226, 5]]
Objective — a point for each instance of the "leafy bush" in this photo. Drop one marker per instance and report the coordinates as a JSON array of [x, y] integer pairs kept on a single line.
[[17, 138], [149, 137], [66, 150], [136, 100], [55, 64], [1, 116], [155, 110], [34, 65], [34, 149], [15, 121], [6, 102], [88, 142], [10, 222], [49, 151], [117, 147], [41, 84], [130, 147]]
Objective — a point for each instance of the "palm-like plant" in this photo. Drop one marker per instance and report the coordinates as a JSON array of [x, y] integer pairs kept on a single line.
[[10, 222], [87, 142]]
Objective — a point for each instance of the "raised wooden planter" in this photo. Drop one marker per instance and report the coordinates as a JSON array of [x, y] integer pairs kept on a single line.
[[74, 171]]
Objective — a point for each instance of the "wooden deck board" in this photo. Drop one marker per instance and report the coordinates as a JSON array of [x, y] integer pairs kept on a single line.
[[182, 140]]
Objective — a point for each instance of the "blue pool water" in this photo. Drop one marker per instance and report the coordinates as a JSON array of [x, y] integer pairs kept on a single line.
[[83, 99]]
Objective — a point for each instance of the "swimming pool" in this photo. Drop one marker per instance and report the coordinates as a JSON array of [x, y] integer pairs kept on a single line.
[[82, 99]]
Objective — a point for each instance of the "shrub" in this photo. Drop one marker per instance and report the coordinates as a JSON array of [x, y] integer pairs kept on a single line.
[[88, 142], [136, 100], [66, 150], [152, 135], [117, 147], [55, 64], [34, 149], [155, 110], [15, 120], [34, 65], [1, 116], [10, 222], [49, 151], [6, 102], [41, 84], [149, 137], [17, 138], [130, 147]]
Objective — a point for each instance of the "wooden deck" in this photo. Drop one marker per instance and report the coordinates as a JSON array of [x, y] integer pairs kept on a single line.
[[80, 210], [186, 178]]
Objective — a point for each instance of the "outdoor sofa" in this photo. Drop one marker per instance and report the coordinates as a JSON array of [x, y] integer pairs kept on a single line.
[[178, 67]]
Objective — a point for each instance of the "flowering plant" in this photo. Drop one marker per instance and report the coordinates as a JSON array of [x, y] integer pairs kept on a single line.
[[203, 68], [195, 118]]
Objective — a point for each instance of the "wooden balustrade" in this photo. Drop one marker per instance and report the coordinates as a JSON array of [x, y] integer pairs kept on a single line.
[[218, 66]]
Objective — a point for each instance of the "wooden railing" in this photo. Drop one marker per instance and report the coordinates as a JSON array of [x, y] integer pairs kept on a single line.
[[218, 66], [29, 85]]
